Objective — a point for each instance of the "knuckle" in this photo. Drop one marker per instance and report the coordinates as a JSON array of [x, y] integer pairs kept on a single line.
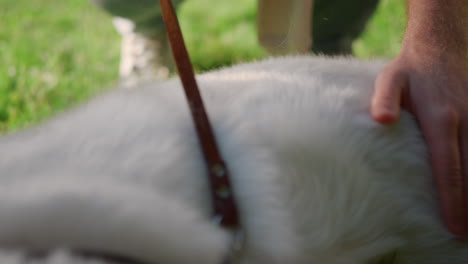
[[390, 79], [447, 115], [386, 79]]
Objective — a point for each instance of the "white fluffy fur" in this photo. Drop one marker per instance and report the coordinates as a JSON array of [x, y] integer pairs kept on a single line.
[[316, 180]]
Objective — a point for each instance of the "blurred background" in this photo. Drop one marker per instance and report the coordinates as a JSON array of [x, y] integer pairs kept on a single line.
[[54, 54]]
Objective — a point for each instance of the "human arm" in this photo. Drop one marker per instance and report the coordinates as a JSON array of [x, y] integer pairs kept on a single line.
[[429, 77]]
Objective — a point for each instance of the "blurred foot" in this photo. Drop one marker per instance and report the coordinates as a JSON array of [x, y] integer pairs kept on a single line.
[[142, 57]]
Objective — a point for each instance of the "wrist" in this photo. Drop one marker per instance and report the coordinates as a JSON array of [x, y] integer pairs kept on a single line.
[[415, 54], [434, 50], [437, 27]]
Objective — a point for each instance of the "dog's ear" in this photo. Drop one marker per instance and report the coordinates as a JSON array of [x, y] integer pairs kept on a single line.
[[107, 217]]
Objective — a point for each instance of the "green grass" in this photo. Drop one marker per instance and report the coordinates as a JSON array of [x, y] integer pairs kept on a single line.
[[56, 53], [384, 32], [224, 35], [53, 54]]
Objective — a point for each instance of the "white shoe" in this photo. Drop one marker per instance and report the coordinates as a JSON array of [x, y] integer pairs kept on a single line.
[[142, 57]]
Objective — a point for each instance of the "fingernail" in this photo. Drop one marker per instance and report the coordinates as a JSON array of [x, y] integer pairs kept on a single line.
[[385, 117]]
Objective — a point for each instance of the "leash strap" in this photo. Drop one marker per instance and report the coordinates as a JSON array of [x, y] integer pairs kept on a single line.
[[224, 206]]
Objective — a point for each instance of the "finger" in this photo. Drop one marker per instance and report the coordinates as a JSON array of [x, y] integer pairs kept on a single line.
[[386, 101], [442, 138]]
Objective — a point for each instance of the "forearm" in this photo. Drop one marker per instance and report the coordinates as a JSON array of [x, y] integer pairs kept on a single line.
[[437, 26]]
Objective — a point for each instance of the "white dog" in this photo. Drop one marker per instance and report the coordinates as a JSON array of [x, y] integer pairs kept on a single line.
[[315, 178]]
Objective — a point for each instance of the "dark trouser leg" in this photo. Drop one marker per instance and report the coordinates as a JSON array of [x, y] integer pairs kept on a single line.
[[145, 14], [336, 23]]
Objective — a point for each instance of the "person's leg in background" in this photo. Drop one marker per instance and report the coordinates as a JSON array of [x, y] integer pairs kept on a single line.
[[284, 27], [145, 52], [337, 23], [333, 25]]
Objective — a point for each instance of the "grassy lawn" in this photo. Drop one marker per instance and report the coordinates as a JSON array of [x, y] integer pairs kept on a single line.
[[57, 53], [53, 53]]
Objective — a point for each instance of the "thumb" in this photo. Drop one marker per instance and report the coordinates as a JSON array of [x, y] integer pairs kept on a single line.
[[386, 100]]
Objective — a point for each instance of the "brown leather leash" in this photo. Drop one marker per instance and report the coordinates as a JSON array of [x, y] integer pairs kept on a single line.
[[224, 205]]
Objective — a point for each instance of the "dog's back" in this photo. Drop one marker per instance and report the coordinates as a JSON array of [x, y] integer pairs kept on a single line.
[[316, 180]]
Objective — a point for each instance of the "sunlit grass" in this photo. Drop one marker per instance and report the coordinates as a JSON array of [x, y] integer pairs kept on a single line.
[[53, 54], [384, 32]]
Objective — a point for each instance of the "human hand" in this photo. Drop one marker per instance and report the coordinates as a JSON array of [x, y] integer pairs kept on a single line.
[[433, 85]]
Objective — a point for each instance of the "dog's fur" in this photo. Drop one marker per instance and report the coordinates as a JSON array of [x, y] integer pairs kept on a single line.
[[316, 180]]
